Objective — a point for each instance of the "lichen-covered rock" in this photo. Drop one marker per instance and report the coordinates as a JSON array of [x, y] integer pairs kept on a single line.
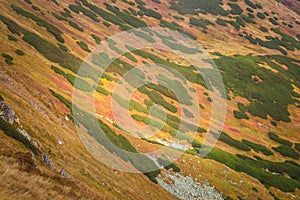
[[24, 133], [46, 159], [6, 112]]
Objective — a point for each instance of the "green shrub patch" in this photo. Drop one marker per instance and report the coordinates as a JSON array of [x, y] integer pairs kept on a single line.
[[258, 147], [240, 115], [8, 58], [12, 38], [149, 12], [66, 13], [59, 17], [288, 151], [273, 21], [76, 26], [79, 9], [271, 96], [50, 28], [203, 23], [251, 4], [263, 29], [261, 15], [221, 22], [235, 9], [252, 168], [67, 103], [108, 16], [224, 137], [276, 138], [194, 7], [20, 52], [83, 46], [96, 38], [48, 50], [176, 27], [63, 47]]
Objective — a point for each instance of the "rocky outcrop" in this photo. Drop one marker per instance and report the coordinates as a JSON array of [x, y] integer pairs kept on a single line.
[[6, 112], [24, 133], [185, 188]]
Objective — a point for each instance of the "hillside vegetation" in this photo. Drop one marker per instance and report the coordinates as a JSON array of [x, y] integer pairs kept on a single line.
[[254, 44]]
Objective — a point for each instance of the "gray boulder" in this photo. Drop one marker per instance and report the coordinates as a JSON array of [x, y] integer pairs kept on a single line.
[[63, 173], [46, 159], [6, 112]]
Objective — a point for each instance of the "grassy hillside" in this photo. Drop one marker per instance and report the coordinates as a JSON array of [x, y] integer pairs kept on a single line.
[[255, 45]]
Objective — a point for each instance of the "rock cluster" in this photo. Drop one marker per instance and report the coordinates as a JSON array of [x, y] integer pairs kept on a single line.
[[185, 188], [46, 159], [6, 112]]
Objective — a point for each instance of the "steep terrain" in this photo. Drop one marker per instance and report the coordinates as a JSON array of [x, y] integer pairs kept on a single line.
[[255, 45]]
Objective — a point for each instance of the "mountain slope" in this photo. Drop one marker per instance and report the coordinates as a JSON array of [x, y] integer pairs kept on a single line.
[[255, 44]]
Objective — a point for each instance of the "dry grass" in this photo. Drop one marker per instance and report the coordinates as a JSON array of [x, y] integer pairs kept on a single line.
[[45, 184]]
